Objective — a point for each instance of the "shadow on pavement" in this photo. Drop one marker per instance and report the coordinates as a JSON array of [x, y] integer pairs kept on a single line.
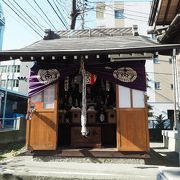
[[170, 159]]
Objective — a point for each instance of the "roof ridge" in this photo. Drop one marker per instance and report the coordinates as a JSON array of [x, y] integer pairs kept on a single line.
[[96, 32]]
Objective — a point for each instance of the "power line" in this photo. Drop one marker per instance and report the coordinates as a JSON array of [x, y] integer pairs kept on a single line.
[[67, 14], [123, 16], [38, 13], [23, 19], [117, 9], [60, 13], [129, 10], [57, 14], [134, 19], [18, 11], [44, 14], [17, 20], [29, 16], [64, 8]]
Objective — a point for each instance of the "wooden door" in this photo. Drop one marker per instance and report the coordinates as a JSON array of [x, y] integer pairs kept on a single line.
[[132, 123], [42, 128]]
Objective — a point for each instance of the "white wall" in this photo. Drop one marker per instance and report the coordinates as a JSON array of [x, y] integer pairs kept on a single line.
[[137, 13], [150, 72]]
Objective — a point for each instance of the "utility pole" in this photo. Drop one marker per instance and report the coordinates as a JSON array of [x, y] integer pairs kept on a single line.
[[176, 97], [74, 14], [83, 11]]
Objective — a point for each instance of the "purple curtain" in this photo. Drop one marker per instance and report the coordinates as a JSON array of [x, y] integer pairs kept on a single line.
[[43, 75], [130, 74], [126, 73]]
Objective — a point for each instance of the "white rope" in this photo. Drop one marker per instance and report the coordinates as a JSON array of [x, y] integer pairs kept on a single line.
[[84, 130]]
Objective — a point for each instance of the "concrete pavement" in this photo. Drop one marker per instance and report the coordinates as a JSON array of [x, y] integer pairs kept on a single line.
[[25, 167], [52, 168]]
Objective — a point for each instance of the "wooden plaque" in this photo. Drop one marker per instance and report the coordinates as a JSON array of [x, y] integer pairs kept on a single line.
[[76, 116], [111, 115], [91, 117]]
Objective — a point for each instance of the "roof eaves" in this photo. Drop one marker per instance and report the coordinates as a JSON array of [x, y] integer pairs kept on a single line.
[[172, 32], [153, 11]]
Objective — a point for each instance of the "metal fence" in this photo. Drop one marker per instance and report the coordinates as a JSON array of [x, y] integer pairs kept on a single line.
[[164, 124], [9, 123]]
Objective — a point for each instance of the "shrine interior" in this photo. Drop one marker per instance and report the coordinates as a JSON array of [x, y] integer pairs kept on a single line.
[[101, 112]]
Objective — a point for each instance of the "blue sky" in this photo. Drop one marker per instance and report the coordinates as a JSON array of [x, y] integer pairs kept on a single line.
[[17, 34]]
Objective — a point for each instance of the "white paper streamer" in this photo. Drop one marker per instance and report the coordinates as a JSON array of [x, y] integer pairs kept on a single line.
[[84, 130]]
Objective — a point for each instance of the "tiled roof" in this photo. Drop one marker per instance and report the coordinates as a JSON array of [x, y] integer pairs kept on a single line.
[[88, 42]]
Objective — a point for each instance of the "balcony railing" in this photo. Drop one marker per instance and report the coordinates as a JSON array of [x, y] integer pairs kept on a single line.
[[9, 123]]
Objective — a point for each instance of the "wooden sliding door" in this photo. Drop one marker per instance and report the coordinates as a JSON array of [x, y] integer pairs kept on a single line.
[[132, 123], [42, 129]]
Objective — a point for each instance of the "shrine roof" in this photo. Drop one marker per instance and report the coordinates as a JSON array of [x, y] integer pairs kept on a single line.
[[87, 42]]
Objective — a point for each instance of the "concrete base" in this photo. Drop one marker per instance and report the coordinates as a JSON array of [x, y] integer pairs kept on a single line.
[[171, 140]]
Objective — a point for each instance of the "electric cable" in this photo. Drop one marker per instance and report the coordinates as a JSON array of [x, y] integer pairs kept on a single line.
[[22, 19], [44, 14], [64, 19], [57, 14], [13, 17], [38, 13], [125, 9], [117, 9], [123, 16], [29, 16], [64, 7]]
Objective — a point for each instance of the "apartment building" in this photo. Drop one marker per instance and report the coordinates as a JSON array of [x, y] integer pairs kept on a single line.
[[160, 86]]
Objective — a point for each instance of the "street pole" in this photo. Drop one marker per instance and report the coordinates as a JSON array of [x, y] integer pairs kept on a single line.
[[175, 89], [5, 100], [13, 71], [83, 11], [74, 14], [177, 85]]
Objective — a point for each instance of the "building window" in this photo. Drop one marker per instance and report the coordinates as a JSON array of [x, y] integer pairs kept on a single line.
[[119, 14], [170, 60], [172, 87], [9, 83], [16, 68], [3, 69], [100, 8], [156, 61], [15, 83], [11, 68], [3, 82], [157, 85]]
